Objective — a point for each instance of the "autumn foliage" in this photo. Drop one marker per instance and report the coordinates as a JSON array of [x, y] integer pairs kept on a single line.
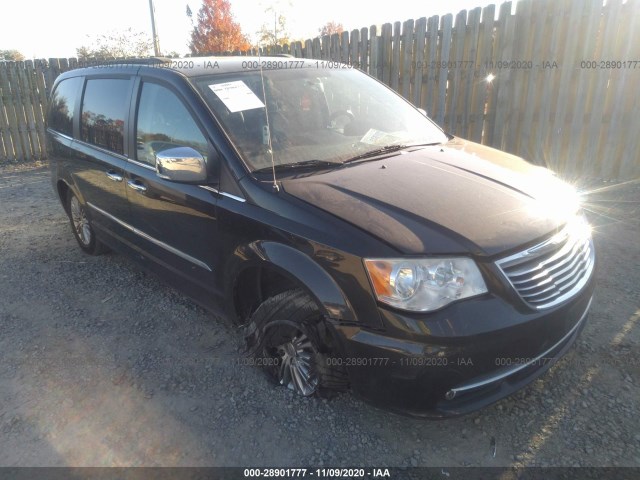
[[216, 31]]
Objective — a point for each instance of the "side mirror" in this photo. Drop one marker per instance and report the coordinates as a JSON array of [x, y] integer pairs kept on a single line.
[[423, 111], [181, 164]]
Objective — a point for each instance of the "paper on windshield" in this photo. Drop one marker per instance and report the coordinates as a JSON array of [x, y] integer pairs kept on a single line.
[[236, 96], [378, 137]]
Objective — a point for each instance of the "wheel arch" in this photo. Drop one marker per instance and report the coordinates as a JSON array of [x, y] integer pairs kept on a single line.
[[265, 268]]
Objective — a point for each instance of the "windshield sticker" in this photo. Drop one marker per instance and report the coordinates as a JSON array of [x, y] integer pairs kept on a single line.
[[236, 96], [378, 137]]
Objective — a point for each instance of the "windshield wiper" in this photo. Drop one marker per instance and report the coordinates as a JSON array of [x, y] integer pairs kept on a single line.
[[299, 165], [388, 149]]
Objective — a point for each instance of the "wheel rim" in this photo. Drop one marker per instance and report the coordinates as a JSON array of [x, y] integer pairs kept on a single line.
[[296, 369], [80, 222]]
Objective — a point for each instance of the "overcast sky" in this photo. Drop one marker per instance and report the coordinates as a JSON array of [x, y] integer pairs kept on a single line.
[[55, 29]]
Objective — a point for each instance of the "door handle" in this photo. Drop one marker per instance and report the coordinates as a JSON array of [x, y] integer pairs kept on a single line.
[[137, 186], [115, 176]]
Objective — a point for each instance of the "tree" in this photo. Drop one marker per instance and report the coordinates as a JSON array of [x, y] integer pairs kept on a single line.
[[216, 31], [330, 28], [273, 31], [125, 43], [11, 55]]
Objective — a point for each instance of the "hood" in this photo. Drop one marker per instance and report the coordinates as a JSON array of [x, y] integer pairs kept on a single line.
[[459, 197]]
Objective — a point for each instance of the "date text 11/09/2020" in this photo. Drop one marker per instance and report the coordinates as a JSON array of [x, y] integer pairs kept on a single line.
[[317, 472]]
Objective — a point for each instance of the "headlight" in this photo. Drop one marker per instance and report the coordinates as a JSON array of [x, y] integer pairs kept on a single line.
[[421, 285]]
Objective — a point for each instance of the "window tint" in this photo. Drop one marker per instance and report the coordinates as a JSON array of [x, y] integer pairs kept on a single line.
[[104, 109], [163, 123], [62, 106]]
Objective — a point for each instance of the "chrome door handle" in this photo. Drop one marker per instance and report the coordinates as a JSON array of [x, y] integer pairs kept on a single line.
[[116, 177], [137, 186]]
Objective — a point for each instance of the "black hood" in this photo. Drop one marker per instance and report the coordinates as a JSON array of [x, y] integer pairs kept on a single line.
[[484, 200]]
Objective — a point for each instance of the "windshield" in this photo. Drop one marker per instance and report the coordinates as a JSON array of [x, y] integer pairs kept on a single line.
[[315, 115]]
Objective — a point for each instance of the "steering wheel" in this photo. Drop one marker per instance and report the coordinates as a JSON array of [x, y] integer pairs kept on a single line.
[[340, 113]]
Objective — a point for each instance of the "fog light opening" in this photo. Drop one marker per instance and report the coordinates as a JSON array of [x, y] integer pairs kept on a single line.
[[450, 395]]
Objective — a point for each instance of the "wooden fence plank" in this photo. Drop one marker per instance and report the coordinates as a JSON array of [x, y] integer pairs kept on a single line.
[[344, 47], [430, 58], [20, 112], [325, 49], [364, 49], [621, 89], [519, 75], [480, 87], [354, 44], [533, 92], [549, 80], [396, 65], [406, 59], [374, 49], [8, 151], [39, 107], [10, 109], [385, 47], [559, 135], [26, 98], [630, 163], [334, 55], [467, 65], [442, 73], [308, 49], [418, 67], [612, 16], [505, 51], [589, 22], [453, 72]]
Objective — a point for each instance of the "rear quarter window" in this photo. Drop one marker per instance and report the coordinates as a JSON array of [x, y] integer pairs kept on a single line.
[[105, 107], [63, 104]]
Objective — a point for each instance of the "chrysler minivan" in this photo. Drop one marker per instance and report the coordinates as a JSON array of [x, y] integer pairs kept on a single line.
[[356, 244]]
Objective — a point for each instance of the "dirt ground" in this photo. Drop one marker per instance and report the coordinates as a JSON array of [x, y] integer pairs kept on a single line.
[[103, 365]]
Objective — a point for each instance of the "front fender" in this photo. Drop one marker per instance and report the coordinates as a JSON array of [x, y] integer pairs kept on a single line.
[[299, 267]]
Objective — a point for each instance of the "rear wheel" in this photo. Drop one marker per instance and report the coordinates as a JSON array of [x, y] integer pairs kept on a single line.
[[288, 336], [81, 226]]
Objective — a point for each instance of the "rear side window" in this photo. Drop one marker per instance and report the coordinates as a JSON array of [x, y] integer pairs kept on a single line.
[[63, 104], [104, 108], [163, 123]]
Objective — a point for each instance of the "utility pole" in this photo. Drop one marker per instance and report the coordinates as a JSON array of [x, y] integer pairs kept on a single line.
[[156, 40], [275, 28]]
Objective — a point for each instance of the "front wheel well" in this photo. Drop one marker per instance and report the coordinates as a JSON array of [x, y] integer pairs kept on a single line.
[[254, 285], [63, 191]]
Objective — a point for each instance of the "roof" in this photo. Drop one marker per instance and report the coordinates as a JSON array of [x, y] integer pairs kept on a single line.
[[195, 66]]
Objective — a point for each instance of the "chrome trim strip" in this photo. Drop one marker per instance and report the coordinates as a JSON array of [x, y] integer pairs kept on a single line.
[[100, 149], [146, 236], [140, 164], [496, 378], [224, 194], [54, 132]]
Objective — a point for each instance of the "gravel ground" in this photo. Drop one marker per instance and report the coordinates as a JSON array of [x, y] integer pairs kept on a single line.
[[103, 365]]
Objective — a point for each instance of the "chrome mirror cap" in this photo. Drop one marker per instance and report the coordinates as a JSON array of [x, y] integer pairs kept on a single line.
[[181, 164]]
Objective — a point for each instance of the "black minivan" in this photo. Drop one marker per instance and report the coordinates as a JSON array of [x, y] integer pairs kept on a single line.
[[356, 244]]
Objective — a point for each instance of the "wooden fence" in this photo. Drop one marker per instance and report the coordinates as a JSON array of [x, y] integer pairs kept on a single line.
[[557, 82]]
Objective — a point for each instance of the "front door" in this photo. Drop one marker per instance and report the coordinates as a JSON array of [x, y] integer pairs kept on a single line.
[[175, 222]]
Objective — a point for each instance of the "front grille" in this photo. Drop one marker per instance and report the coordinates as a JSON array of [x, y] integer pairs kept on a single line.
[[555, 270]]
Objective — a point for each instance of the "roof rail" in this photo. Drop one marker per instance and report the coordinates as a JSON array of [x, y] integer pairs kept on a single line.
[[130, 61]]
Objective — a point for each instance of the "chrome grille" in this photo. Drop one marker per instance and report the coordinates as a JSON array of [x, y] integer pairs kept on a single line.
[[555, 270]]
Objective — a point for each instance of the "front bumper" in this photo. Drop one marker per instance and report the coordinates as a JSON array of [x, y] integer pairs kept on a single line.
[[460, 359]]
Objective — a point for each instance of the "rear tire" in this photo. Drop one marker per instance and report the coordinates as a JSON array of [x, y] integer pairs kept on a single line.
[[81, 227], [288, 337]]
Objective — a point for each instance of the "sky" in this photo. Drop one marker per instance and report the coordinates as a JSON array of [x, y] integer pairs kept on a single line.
[[42, 29]]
